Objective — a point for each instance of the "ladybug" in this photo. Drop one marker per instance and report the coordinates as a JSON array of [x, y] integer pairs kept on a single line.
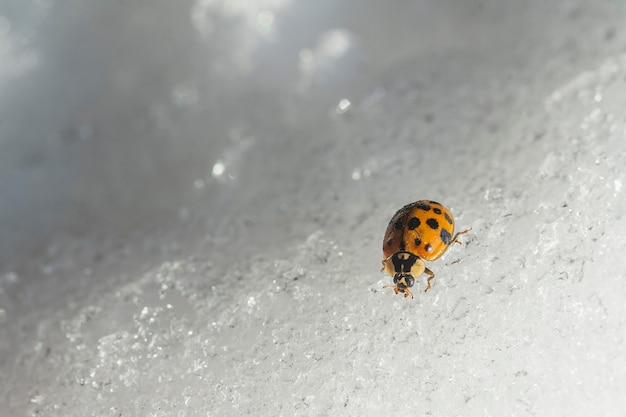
[[418, 232]]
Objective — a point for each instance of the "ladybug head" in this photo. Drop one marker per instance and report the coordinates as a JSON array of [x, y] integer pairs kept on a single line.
[[403, 283], [404, 267]]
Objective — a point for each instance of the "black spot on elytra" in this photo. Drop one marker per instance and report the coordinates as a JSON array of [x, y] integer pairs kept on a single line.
[[418, 241], [389, 242], [422, 205], [448, 218], [428, 247], [402, 246], [413, 223], [398, 225], [434, 203], [437, 210], [445, 236], [433, 223]]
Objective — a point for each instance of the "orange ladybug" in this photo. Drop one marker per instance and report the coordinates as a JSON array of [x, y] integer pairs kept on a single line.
[[418, 232]]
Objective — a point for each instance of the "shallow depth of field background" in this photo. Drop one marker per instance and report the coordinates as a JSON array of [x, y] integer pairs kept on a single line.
[[193, 197]]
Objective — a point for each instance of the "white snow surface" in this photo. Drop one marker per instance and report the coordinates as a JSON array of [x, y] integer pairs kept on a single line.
[[193, 197]]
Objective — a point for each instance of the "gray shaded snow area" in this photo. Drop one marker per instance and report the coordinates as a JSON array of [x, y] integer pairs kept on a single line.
[[193, 198]]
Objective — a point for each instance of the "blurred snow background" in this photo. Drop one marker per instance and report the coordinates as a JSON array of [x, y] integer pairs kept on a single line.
[[193, 197]]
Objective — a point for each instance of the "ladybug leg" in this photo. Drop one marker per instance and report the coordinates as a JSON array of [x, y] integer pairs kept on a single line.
[[395, 289], [455, 239], [406, 292], [431, 275], [384, 262]]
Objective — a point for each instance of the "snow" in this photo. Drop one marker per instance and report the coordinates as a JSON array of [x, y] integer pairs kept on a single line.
[[193, 199]]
